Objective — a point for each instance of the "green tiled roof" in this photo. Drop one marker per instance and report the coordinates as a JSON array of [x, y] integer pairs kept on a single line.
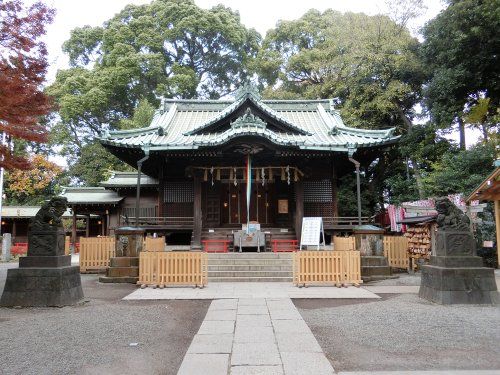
[[90, 195], [128, 179], [195, 124]]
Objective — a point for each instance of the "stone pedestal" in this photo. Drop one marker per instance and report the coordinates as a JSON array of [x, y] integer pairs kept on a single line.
[[370, 242], [45, 277], [124, 268], [375, 268], [455, 275]]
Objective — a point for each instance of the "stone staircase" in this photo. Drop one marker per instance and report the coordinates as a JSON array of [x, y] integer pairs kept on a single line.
[[246, 266]]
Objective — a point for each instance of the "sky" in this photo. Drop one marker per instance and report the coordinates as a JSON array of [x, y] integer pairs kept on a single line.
[[259, 14]]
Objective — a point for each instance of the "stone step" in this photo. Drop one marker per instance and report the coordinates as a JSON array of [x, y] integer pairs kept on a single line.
[[250, 279], [247, 256], [122, 271], [246, 267], [239, 274], [122, 279], [124, 262], [376, 270]]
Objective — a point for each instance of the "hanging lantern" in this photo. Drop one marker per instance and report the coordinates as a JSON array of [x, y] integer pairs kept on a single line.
[[231, 176], [257, 176], [295, 175], [283, 177], [205, 175], [217, 174]]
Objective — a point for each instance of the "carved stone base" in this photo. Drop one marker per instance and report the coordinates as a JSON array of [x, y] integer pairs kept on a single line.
[[375, 268], [458, 285], [42, 286], [122, 270]]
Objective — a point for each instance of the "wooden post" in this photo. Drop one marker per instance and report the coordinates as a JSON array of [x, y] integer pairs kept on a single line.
[[73, 229], [197, 214], [107, 222], [103, 225], [299, 207], [87, 226], [497, 224], [335, 198]]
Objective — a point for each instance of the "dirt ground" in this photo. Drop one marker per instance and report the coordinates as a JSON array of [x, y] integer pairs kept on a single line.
[[104, 335], [402, 332]]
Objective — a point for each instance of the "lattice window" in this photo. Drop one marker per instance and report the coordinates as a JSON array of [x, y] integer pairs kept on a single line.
[[178, 192], [318, 191], [143, 211]]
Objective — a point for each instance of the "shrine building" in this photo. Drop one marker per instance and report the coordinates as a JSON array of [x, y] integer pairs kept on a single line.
[[208, 166]]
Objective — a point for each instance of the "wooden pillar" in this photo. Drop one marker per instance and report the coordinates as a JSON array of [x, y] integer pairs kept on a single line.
[[14, 230], [299, 207], [497, 225], [103, 225], [73, 229], [335, 196], [87, 226], [197, 214], [107, 222]]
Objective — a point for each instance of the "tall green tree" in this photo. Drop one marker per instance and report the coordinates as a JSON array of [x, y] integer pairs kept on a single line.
[[170, 48], [462, 49], [370, 64]]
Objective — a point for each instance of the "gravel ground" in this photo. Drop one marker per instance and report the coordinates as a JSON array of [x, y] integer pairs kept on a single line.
[[95, 337], [402, 332]]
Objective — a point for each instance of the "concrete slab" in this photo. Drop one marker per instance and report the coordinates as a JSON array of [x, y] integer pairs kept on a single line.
[[257, 354], [248, 291], [253, 321], [212, 327], [257, 370], [429, 372], [221, 315], [254, 334], [252, 302], [288, 314], [290, 326], [295, 363], [252, 310], [204, 364], [224, 304], [297, 342], [205, 344]]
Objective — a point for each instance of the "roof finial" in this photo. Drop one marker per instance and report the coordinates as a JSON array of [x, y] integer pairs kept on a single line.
[[248, 89]]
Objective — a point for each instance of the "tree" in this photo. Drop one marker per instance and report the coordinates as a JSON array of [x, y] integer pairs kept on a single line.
[[34, 185], [23, 65], [169, 48], [461, 48], [369, 64]]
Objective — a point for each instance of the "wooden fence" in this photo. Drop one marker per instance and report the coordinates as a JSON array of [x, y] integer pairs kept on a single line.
[[327, 267], [344, 243], [173, 268], [396, 251], [95, 253], [154, 244]]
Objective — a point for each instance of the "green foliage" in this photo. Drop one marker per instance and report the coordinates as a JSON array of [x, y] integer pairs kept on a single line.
[[460, 171], [170, 48], [461, 48], [369, 64], [143, 115], [94, 164]]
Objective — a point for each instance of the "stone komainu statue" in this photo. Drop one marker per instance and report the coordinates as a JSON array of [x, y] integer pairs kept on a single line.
[[450, 217], [49, 216]]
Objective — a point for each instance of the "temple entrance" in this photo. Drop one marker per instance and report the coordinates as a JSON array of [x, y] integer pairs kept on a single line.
[[234, 203]]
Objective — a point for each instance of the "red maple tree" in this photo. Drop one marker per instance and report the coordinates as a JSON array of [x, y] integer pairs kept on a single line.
[[23, 65]]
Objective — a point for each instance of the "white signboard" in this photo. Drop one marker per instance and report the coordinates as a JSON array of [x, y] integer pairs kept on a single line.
[[312, 232]]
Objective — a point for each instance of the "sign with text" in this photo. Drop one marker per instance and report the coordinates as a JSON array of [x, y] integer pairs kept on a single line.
[[312, 233]]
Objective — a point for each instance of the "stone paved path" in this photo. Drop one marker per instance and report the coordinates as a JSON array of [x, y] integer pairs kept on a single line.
[[234, 290], [254, 336]]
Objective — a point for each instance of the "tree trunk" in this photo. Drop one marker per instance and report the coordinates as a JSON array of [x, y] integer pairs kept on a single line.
[[484, 129], [461, 131], [414, 165]]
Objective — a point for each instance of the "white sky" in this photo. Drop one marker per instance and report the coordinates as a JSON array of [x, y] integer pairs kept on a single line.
[[259, 14]]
